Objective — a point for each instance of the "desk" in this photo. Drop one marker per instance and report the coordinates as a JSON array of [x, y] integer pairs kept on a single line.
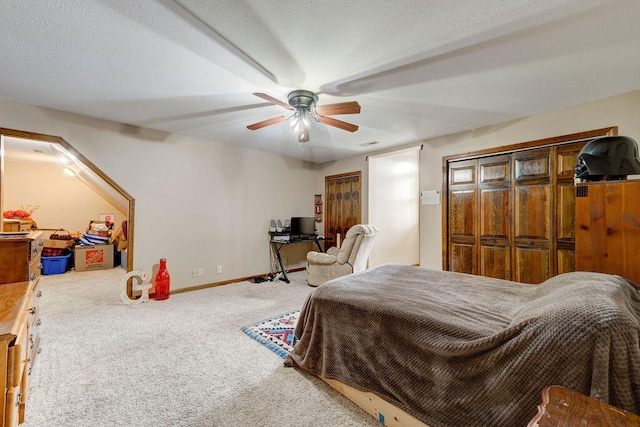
[[276, 245]]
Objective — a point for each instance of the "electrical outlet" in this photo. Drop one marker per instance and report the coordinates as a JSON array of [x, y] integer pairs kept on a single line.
[[219, 269], [194, 273], [200, 272]]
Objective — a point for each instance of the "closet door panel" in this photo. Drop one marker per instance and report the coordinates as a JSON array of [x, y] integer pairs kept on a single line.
[[533, 164], [532, 207], [463, 256], [494, 213], [566, 259], [464, 213], [495, 259], [532, 263], [566, 212]]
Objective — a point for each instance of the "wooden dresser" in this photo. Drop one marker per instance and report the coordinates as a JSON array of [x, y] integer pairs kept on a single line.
[[608, 228], [19, 321]]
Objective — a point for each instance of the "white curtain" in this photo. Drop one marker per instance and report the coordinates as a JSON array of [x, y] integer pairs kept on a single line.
[[394, 207]]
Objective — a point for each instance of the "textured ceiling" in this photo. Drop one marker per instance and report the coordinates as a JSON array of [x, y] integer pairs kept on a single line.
[[419, 69]]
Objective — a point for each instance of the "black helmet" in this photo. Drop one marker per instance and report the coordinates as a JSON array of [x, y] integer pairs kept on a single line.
[[608, 157]]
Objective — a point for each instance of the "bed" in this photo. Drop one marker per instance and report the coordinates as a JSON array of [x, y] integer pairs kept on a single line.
[[452, 349]]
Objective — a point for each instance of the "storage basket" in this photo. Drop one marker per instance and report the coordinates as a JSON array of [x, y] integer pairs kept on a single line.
[[61, 234], [46, 252], [55, 264]]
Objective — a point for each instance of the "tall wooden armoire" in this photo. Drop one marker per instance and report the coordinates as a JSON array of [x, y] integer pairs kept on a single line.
[[608, 228]]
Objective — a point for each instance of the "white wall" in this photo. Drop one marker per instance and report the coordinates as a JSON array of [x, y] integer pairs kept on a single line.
[[63, 201], [199, 204], [202, 204], [621, 110]]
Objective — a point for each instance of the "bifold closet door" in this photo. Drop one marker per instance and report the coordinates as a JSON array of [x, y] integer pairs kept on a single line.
[[533, 216], [494, 185], [463, 217]]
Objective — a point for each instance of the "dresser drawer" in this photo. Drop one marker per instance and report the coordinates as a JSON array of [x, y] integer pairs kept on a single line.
[[33, 321], [36, 246], [16, 356], [12, 410], [20, 258]]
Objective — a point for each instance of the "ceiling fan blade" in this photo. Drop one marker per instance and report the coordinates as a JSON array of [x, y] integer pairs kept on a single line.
[[341, 108], [303, 133], [273, 100], [338, 123], [268, 122]]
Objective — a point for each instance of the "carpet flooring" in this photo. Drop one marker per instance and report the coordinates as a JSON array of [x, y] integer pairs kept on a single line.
[[180, 362]]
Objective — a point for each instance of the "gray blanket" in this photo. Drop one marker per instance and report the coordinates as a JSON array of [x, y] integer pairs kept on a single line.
[[460, 350]]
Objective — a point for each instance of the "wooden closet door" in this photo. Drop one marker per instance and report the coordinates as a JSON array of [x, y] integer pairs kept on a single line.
[[532, 216], [343, 203], [463, 217], [565, 234], [495, 207]]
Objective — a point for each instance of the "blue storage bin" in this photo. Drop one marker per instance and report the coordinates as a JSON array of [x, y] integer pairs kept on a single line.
[[55, 264]]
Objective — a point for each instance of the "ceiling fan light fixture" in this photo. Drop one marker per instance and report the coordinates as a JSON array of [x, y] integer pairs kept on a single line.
[[303, 103]]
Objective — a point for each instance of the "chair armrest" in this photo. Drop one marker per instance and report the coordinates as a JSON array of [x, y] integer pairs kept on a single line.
[[321, 258], [333, 250]]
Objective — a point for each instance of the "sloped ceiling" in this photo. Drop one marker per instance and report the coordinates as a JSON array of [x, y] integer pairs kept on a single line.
[[419, 69], [42, 152]]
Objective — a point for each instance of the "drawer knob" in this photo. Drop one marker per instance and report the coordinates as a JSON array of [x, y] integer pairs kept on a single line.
[[33, 276], [19, 399]]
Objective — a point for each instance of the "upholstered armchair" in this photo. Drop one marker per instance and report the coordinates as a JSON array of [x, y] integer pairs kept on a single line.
[[350, 258]]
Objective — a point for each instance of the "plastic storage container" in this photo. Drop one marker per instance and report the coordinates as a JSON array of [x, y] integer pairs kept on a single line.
[[55, 264]]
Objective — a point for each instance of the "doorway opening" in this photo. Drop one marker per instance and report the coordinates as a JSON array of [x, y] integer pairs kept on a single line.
[[54, 151]]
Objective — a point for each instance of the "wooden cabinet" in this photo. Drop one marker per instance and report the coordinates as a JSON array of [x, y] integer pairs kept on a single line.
[[19, 322], [608, 228], [511, 215], [317, 207]]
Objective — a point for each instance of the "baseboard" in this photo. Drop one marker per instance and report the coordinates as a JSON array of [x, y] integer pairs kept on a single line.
[[226, 282]]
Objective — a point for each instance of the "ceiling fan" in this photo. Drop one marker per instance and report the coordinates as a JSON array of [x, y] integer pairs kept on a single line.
[[303, 103]]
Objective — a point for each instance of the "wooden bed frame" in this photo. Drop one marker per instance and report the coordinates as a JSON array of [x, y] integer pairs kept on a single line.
[[380, 409], [560, 407]]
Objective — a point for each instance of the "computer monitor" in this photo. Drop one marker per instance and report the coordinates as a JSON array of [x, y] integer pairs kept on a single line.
[[303, 225]]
